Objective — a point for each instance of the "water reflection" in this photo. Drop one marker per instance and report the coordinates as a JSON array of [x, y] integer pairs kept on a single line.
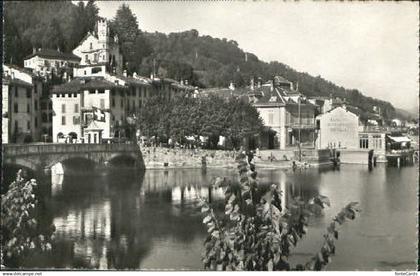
[[125, 220]]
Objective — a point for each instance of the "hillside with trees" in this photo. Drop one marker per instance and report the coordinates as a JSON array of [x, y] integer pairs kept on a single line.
[[201, 59]]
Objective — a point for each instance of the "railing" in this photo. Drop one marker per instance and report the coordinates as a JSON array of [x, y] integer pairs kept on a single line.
[[12, 150]]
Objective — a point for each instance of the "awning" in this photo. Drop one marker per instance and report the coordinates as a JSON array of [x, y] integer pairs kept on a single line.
[[399, 139]]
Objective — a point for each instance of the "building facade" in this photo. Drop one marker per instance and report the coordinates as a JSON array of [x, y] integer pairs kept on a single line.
[[286, 112], [21, 111], [338, 128], [48, 61], [100, 48]]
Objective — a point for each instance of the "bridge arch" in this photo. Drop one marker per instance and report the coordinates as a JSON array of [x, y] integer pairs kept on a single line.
[[126, 159]]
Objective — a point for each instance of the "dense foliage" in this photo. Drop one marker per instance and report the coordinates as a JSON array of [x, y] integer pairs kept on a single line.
[[255, 233], [202, 60], [20, 231], [49, 24], [210, 117]]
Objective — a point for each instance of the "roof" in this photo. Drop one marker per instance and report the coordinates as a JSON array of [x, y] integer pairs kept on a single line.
[[23, 70], [54, 54], [79, 84], [134, 81], [399, 139], [15, 81], [337, 107], [93, 127], [280, 79]]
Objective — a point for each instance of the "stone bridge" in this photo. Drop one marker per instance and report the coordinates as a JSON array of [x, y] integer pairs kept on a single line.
[[43, 156]]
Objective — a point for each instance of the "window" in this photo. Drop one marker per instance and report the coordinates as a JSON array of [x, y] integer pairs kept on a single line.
[[90, 46], [364, 141], [28, 125], [36, 105], [44, 117], [101, 91], [112, 92], [76, 108], [76, 120], [122, 103], [63, 108], [63, 120], [36, 122], [96, 70], [86, 60], [139, 103], [28, 108], [270, 118], [95, 57], [92, 91], [16, 92], [102, 103], [113, 102], [75, 95], [35, 89], [16, 125], [28, 92]]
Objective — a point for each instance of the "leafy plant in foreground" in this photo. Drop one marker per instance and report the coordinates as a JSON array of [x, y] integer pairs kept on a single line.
[[256, 233], [20, 231]]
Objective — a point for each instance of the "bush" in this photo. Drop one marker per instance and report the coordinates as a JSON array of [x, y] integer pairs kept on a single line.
[[255, 233], [20, 231]]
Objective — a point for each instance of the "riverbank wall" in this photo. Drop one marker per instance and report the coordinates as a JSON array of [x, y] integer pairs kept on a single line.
[[163, 158], [166, 158]]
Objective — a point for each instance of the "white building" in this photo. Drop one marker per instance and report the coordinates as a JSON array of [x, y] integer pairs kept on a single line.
[[100, 48], [48, 61], [338, 128], [21, 111]]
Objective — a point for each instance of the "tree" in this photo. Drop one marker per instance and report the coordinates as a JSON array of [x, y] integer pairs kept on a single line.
[[133, 45], [21, 233], [255, 233]]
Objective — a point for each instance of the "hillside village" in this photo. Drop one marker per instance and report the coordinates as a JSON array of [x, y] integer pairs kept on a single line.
[[86, 96], [128, 150]]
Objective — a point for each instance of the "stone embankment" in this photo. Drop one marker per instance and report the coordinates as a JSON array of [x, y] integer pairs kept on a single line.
[[159, 158]]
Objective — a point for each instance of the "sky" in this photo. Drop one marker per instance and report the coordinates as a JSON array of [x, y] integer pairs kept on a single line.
[[369, 46]]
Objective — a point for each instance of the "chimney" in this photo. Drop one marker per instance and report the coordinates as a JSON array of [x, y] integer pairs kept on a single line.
[[125, 73], [33, 50], [297, 85], [152, 76], [251, 85], [259, 83], [186, 82], [181, 82]]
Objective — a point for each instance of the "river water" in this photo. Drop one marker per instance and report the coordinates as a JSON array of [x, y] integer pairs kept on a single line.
[[126, 220]]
